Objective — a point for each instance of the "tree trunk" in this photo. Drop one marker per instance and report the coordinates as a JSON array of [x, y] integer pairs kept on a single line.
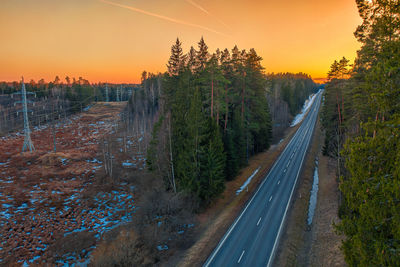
[[243, 90], [170, 154], [217, 105], [226, 107], [212, 95], [376, 120], [339, 113]]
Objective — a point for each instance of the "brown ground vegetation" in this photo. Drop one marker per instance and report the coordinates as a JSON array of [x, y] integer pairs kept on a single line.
[[325, 248], [51, 207]]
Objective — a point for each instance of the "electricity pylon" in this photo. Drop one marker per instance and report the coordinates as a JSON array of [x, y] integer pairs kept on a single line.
[[27, 141], [118, 92], [107, 100]]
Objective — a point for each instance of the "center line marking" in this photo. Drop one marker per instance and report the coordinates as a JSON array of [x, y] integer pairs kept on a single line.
[[241, 257], [279, 181], [270, 199], [284, 170], [258, 221]]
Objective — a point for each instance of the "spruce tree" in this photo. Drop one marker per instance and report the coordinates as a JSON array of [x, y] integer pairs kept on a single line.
[[202, 56], [212, 176], [177, 59], [191, 59]]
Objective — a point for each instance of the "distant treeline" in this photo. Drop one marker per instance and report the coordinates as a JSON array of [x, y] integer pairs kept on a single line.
[[286, 94], [53, 98], [361, 118], [294, 89]]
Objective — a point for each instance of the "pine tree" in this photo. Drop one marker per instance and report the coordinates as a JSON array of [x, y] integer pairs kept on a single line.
[[225, 61], [371, 192]]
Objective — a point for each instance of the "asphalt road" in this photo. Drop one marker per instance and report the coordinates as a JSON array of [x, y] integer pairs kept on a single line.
[[253, 238]]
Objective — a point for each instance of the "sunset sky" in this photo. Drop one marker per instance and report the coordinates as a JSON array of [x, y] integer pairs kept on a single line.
[[115, 40]]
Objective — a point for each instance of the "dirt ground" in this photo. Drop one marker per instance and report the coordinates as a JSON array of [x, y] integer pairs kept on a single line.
[[215, 221], [52, 211]]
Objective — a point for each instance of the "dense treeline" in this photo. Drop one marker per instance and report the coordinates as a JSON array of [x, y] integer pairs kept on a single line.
[[286, 93], [361, 116], [294, 88], [214, 116]]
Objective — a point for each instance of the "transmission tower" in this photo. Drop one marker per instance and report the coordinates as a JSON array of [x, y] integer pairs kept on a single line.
[[27, 141], [118, 92], [107, 100]]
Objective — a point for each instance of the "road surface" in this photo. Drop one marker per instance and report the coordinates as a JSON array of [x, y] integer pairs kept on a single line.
[[253, 238]]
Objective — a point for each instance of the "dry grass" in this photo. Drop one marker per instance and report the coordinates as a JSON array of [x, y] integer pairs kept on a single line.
[[36, 186], [325, 249], [126, 250]]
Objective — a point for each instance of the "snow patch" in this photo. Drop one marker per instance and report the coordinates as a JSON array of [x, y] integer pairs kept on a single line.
[[247, 181], [307, 104], [313, 196], [128, 164], [162, 247]]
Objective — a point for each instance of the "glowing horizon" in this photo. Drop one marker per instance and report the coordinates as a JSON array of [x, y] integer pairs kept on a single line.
[[115, 40]]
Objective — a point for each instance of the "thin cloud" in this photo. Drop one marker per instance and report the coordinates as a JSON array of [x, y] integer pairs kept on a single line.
[[177, 21], [207, 12]]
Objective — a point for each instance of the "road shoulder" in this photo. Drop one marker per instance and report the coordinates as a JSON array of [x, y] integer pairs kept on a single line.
[[216, 220], [317, 244]]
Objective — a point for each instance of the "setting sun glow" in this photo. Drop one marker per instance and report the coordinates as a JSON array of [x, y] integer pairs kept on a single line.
[[115, 40]]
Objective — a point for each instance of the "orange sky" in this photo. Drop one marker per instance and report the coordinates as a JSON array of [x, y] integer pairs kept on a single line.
[[115, 40]]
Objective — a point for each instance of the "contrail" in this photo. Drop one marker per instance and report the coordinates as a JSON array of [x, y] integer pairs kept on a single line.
[[198, 6], [207, 12], [163, 17]]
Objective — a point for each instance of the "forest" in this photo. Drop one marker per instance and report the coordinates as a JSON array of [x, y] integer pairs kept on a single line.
[[214, 116], [361, 118]]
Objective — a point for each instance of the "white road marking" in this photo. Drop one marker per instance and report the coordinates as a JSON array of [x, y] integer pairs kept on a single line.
[[291, 156], [258, 221], [270, 199], [284, 170], [221, 243], [279, 181], [241, 257], [287, 165], [271, 256]]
